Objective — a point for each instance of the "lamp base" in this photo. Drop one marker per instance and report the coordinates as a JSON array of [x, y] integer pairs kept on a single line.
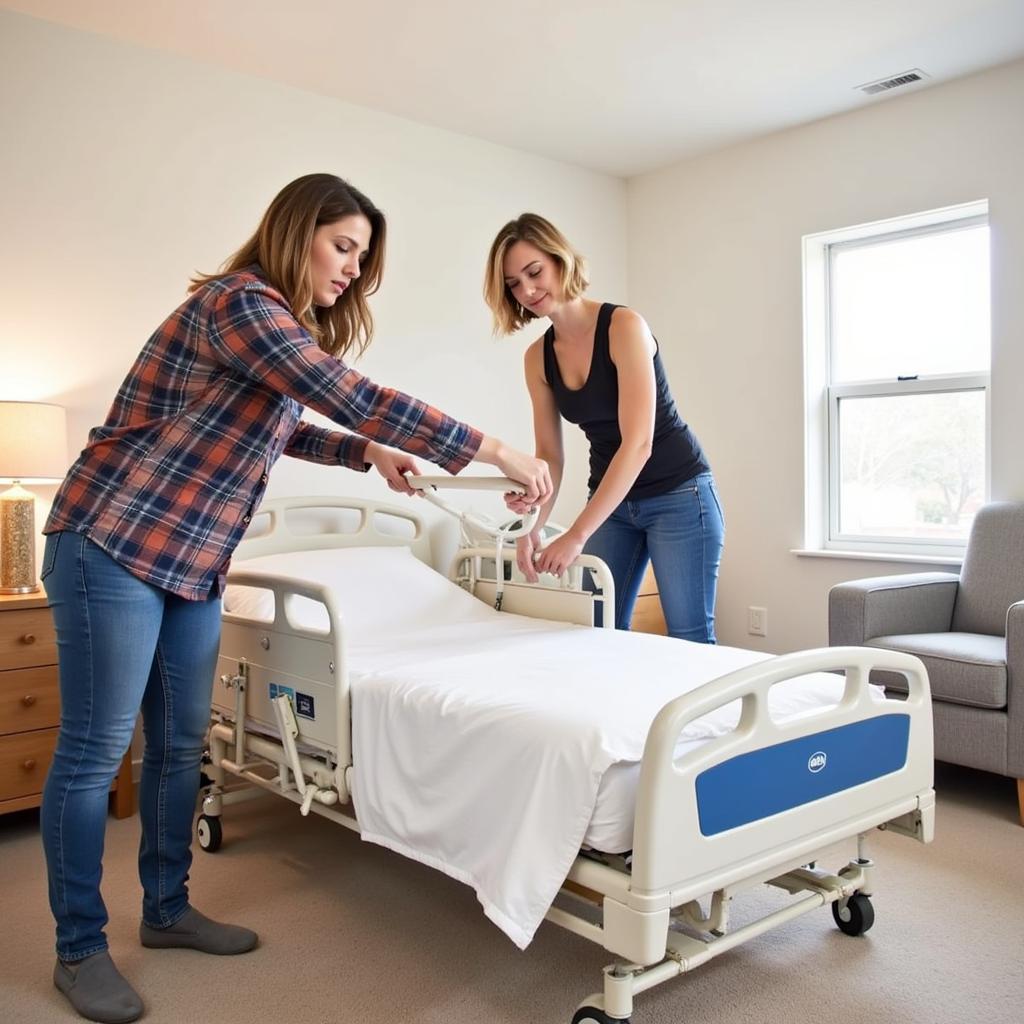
[[17, 542]]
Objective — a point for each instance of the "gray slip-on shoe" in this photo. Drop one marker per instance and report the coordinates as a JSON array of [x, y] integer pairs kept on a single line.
[[195, 931], [98, 990]]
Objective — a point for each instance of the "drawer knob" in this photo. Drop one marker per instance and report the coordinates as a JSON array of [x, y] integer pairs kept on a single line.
[[29, 764], [28, 638], [28, 700]]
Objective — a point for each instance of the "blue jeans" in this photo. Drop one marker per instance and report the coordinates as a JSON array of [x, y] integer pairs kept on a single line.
[[681, 533], [123, 645]]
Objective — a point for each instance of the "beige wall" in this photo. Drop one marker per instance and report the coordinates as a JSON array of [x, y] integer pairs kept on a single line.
[[125, 170], [715, 266]]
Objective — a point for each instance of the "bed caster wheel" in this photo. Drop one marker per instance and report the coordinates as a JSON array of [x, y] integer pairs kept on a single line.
[[209, 833], [856, 917], [592, 1015]]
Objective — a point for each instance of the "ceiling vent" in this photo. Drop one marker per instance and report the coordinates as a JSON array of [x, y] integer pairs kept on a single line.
[[893, 82]]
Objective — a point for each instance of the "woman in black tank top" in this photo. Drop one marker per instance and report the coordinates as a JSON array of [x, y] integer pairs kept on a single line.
[[652, 495]]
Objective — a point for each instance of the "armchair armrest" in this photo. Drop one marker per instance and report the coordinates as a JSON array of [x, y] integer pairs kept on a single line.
[[920, 602]]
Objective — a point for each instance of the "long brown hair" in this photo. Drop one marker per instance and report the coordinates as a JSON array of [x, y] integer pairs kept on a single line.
[[282, 245], [509, 315]]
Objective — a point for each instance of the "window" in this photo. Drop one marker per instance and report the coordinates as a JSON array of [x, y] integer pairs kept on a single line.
[[898, 355]]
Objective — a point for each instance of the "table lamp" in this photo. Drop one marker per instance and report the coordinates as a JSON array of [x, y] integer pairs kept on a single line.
[[33, 450]]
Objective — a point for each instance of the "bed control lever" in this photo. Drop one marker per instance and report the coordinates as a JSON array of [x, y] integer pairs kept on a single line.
[[240, 682], [289, 728]]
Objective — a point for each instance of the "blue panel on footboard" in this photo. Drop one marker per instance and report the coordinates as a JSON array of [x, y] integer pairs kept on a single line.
[[775, 779]]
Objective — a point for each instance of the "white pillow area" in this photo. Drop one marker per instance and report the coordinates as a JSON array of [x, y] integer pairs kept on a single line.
[[378, 590]]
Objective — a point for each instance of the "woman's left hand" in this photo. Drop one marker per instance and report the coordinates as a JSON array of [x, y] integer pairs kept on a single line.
[[559, 554], [516, 502], [393, 465]]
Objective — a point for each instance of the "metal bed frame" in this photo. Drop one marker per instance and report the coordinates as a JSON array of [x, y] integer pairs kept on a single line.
[[753, 807]]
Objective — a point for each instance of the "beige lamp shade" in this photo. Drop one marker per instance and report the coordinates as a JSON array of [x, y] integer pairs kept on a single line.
[[33, 442]]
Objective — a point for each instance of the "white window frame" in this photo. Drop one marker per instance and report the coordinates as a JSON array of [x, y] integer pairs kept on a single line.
[[822, 397]]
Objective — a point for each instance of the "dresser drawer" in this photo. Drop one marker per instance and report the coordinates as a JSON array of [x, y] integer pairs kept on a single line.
[[29, 699], [647, 615], [27, 638], [24, 761]]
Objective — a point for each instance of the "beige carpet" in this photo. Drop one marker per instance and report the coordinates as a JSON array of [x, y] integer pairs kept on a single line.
[[353, 933]]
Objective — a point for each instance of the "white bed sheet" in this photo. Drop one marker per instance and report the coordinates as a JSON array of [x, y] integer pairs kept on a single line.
[[481, 739]]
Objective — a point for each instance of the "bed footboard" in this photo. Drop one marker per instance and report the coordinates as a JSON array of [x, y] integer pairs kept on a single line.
[[767, 789], [754, 806], [763, 799]]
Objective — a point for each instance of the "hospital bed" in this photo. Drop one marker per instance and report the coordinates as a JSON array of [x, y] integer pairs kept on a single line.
[[311, 688]]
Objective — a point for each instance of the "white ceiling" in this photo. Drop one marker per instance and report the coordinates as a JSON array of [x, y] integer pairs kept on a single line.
[[620, 86]]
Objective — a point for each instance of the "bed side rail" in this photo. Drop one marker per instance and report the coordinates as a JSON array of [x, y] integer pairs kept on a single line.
[[278, 648], [282, 588], [563, 599], [768, 790], [270, 532]]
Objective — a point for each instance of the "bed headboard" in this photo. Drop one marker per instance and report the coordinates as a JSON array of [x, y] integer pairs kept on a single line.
[[332, 522]]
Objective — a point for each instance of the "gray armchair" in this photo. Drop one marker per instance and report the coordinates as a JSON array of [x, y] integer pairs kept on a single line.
[[969, 632]]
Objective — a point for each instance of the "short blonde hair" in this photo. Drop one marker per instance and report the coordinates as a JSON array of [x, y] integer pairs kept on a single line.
[[510, 315]]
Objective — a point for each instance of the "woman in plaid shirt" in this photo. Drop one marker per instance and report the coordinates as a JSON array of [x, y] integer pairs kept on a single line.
[[142, 531]]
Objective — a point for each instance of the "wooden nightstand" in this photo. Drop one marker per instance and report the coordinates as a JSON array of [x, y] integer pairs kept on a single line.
[[647, 613], [30, 706]]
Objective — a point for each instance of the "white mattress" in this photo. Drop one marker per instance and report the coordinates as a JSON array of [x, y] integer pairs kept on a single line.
[[610, 828], [493, 746]]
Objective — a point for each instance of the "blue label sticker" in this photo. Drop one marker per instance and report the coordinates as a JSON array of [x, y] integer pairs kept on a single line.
[[277, 690], [305, 707]]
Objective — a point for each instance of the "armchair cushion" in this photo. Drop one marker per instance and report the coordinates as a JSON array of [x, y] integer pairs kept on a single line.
[[963, 668]]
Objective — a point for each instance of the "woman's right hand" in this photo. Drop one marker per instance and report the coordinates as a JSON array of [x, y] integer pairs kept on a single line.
[[526, 551], [531, 472]]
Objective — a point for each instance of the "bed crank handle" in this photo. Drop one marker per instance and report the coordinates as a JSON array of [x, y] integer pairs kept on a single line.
[[429, 486]]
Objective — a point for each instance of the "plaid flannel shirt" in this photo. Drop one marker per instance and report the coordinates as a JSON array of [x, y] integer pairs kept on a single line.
[[167, 485]]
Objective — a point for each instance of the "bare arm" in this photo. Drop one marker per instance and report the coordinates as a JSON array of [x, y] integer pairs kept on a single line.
[[547, 423], [632, 350], [532, 473], [548, 446]]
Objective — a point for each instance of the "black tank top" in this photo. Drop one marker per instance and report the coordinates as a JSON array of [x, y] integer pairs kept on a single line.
[[676, 455]]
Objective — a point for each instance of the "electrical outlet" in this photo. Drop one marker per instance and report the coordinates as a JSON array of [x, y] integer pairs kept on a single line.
[[757, 621]]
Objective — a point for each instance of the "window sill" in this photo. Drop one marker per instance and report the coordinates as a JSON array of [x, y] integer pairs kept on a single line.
[[876, 556]]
